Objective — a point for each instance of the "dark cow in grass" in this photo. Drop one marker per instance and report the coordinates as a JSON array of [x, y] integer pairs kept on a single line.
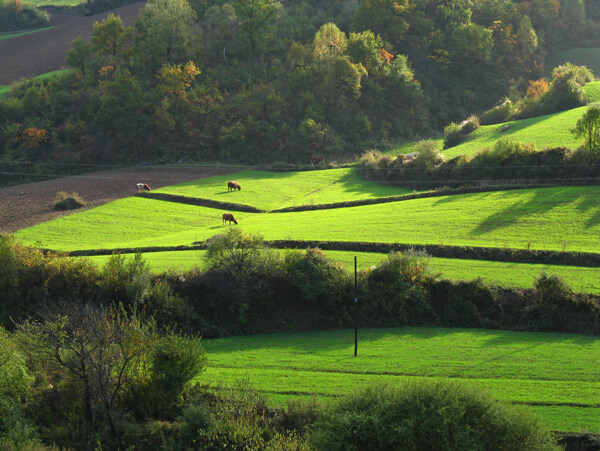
[[229, 217], [233, 185]]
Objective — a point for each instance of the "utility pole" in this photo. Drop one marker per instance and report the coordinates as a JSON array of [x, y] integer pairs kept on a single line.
[[355, 309]]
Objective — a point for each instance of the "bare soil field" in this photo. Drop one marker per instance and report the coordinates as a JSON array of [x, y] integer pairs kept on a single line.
[[30, 204], [45, 51]]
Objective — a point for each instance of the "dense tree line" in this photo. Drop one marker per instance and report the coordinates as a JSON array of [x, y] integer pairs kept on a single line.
[[258, 81]]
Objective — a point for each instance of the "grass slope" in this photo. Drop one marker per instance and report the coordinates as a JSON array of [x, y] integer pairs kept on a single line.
[[560, 218], [519, 275], [554, 369], [271, 190]]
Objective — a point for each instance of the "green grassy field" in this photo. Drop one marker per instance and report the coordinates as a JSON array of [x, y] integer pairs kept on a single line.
[[589, 57], [554, 369], [520, 275], [4, 36], [561, 218], [271, 190]]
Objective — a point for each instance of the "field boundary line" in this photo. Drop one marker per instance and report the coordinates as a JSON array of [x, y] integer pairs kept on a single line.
[[200, 202], [508, 255]]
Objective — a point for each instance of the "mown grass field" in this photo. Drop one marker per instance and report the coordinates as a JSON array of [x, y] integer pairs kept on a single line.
[[521, 275], [557, 370], [271, 190], [561, 218]]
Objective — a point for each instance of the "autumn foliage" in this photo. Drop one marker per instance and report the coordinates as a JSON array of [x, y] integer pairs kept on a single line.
[[537, 89]]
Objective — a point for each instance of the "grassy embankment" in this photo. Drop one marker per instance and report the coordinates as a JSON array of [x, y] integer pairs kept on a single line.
[[560, 218], [552, 130], [554, 373], [521, 275]]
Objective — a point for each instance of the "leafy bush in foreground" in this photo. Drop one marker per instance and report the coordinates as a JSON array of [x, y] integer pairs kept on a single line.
[[433, 415]]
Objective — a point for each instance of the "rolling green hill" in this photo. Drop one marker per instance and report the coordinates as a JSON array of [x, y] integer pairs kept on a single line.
[[555, 373], [561, 218]]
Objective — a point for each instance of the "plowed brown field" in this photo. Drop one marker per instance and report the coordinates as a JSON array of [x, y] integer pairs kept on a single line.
[[29, 204], [45, 51]]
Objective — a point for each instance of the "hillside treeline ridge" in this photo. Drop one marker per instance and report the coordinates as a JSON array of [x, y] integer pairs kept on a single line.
[[257, 81]]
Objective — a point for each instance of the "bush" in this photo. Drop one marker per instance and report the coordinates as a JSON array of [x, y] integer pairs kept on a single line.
[[396, 290], [551, 286], [429, 155], [470, 124], [65, 201], [320, 280], [426, 414], [125, 280], [500, 113], [452, 135], [174, 361]]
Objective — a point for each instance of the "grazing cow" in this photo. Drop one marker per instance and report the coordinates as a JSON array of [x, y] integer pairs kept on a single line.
[[229, 217], [233, 185], [316, 159], [142, 187]]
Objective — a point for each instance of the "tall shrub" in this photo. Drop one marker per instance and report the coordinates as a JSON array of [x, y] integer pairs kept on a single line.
[[423, 414]]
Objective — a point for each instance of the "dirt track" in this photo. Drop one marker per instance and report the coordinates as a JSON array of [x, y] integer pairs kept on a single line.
[[45, 51], [29, 204]]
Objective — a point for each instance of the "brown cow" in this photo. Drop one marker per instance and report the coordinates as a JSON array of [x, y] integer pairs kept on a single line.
[[233, 185], [142, 187], [229, 217], [316, 159]]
